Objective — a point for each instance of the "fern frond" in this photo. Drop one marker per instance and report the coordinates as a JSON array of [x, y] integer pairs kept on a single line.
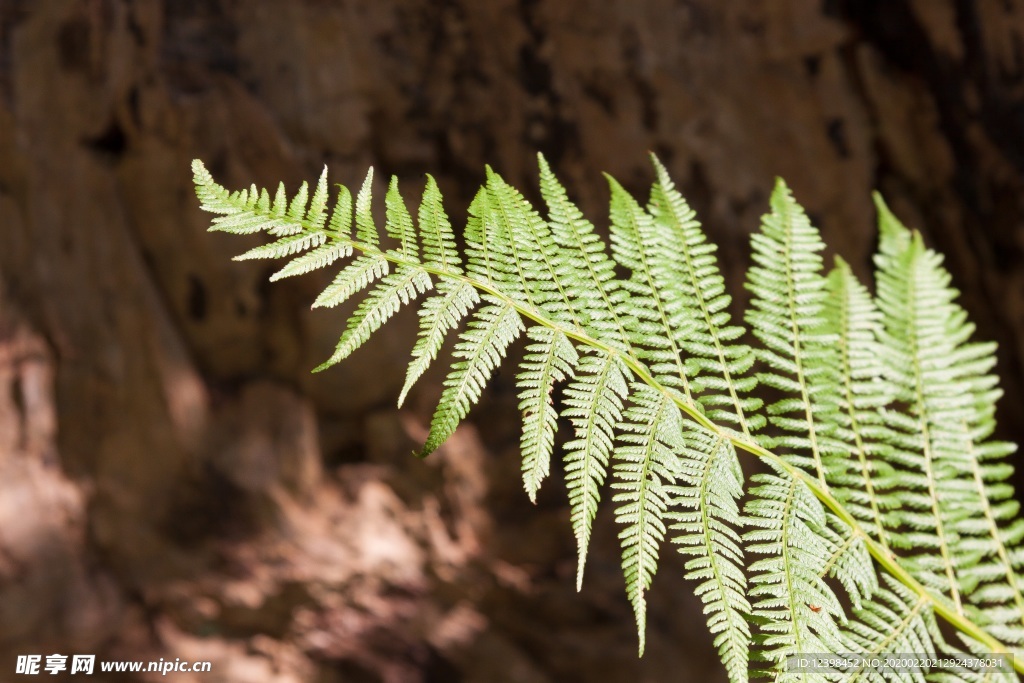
[[243, 212], [393, 292], [594, 406], [305, 234], [399, 223], [664, 320], [340, 226], [286, 246], [480, 350], [705, 516], [585, 267], [714, 358], [796, 608], [895, 620], [439, 248], [851, 314], [440, 314], [549, 360], [316, 259], [366, 230], [915, 301], [316, 216], [787, 314], [886, 417], [354, 278], [893, 236], [296, 211], [531, 245], [949, 469], [487, 251], [650, 436]]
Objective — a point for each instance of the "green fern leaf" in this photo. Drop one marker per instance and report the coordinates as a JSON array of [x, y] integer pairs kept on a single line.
[[664, 320], [393, 292], [893, 237], [852, 315], [706, 516], [650, 436], [801, 350], [440, 314], [341, 218], [540, 264], [715, 360], [594, 406], [885, 415], [297, 207], [439, 248], [486, 257], [399, 222], [512, 256], [286, 246], [515, 244], [484, 343], [354, 278], [316, 217], [588, 273], [548, 361], [240, 213], [796, 608], [280, 206], [787, 314], [318, 258], [948, 468], [366, 230], [912, 294]]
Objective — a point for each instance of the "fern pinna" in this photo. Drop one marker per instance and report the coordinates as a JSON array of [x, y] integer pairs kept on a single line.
[[884, 507]]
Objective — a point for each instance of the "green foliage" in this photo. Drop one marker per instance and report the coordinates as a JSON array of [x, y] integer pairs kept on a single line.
[[883, 506], [548, 362]]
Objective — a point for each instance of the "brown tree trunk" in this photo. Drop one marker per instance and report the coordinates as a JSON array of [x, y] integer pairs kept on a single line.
[[174, 482]]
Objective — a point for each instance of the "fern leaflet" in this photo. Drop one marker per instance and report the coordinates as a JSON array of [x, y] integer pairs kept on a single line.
[[706, 515], [549, 360]]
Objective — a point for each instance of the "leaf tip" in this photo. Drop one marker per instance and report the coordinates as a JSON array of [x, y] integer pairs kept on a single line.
[[326, 364], [659, 168], [404, 394]]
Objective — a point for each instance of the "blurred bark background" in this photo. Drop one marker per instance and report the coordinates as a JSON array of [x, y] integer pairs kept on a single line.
[[173, 480]]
